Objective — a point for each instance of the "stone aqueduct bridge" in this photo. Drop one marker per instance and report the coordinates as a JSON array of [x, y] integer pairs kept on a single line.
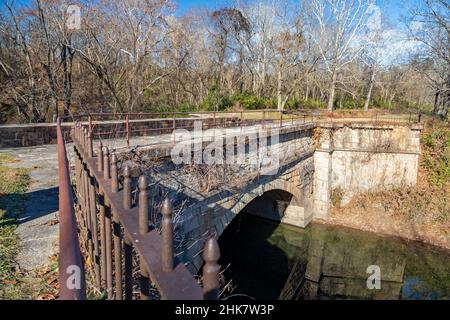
[[316, 161]]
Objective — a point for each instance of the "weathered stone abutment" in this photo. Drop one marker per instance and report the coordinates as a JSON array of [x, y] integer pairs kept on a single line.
[[355, 158]]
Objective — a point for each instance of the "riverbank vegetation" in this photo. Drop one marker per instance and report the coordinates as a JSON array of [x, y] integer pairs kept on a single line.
[[136, 56], [421, 212]]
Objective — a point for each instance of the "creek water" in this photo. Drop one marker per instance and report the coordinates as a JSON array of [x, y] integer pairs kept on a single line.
[[266, 260]]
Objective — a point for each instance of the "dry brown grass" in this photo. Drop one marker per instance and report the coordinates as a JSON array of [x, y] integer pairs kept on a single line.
[[416, 204]]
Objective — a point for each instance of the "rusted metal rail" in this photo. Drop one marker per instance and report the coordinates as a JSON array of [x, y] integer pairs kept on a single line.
[[71, 270], [115, 232], [128, 125]]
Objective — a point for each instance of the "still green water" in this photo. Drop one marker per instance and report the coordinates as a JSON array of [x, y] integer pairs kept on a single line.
[[265, 260]]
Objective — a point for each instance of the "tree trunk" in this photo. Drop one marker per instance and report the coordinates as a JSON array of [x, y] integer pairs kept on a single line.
[[279, 98], [332, 92], [446, 106], [307, 91], [369, 93], [436, 102], [445, 101]]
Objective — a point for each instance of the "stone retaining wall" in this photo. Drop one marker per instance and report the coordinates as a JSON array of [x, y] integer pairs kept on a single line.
[[359, 158]]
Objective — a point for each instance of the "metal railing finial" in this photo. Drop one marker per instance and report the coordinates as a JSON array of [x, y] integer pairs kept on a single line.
[[100, 156], [127, 187], [211, 270], [143, 205], [114, 177], [167, 235], [106, 167]]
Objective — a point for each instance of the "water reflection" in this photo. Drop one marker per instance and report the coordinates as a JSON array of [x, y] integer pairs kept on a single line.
[[270, 261]]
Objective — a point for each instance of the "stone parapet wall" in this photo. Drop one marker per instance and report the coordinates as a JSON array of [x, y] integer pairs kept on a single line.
[[27, 135]]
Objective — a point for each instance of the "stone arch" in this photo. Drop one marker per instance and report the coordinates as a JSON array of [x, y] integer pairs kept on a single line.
[[215, 213], [247, 196], [298, 212]]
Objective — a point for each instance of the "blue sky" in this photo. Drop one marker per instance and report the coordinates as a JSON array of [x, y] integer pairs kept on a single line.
[[394, 10], [184, 5]]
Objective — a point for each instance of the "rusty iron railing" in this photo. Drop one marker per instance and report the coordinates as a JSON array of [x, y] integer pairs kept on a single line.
[[71, 269], [128, 125], [374, 116], [113, 227]]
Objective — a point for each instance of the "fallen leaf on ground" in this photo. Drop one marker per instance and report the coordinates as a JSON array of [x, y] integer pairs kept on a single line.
[[13, 282], [46, 296]]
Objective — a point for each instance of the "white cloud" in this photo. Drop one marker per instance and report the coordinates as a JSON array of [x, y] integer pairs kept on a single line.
[[397, 46]]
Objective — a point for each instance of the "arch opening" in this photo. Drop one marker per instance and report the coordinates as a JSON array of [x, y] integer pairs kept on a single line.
[[270, 205], [247, 254]]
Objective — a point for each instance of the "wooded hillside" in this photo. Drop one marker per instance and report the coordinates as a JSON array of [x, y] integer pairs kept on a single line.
[[138, 55]]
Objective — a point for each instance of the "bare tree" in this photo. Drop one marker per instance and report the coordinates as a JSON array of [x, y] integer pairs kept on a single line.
[[335, 28], [430, 25], [136, 55]]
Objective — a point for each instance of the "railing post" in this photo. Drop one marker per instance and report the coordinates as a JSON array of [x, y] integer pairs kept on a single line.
[[102, 214], [174, 122], [90, 123], [100, 157], [114, 177], [214, 125], [94, 221], [167, 236], [106, 168], [143, 229], [82, 139], [108, 225], [90, 144], [211, 269], [81, 134], [87, 210], [143, 205], [77, 131], [242, 119], [128, 261], [128, 248], [108, 249], [117, 256], [127, 129], [127, 188], [281, 119], [88, 149], [174, 126]]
